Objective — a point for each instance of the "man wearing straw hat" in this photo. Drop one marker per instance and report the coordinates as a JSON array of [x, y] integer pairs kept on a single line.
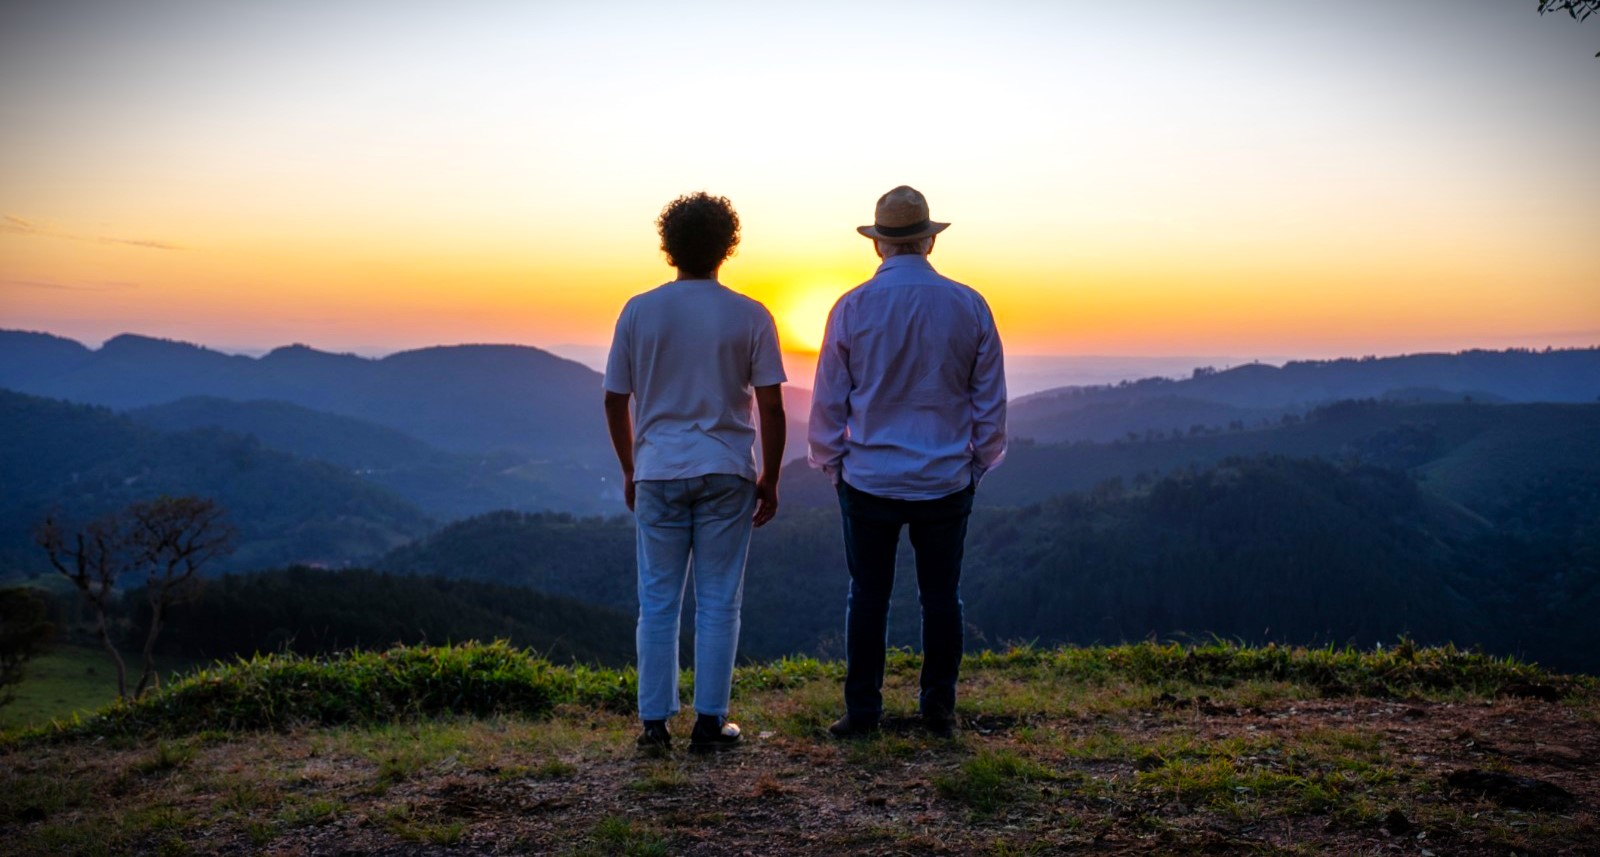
[[907, 414]]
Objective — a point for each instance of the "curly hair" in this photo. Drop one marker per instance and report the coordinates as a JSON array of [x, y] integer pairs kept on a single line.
[[698, 232]]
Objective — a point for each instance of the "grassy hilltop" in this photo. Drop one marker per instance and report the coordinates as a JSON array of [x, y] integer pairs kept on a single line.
[[1130, 749]]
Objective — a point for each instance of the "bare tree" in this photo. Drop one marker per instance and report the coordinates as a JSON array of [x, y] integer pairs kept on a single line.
[[171, 538], [92, 558]]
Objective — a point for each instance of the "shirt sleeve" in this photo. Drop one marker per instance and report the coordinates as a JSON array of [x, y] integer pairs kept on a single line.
[[830, 399], [619, 363], [766, 358], [988, 399]]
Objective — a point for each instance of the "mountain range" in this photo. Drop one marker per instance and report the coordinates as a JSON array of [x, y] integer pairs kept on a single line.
[[457, 430], [1252, 394], [492, 463]]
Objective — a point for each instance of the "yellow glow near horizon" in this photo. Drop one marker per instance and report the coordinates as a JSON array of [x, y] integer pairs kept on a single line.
[[1203, 181], [802, 315]]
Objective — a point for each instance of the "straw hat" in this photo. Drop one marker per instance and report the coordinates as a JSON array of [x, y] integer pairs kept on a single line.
[[902, 217]]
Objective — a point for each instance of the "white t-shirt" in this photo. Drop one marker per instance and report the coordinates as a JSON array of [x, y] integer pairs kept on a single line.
[[690, 351]]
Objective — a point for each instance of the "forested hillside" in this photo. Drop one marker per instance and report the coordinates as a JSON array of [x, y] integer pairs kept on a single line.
[[445, 485], [1482, 456], [318, 612], [1468, 453], [1265, 549], [83, 461]]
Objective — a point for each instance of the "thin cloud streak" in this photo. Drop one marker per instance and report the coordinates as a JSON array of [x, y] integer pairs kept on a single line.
[[22, 226]]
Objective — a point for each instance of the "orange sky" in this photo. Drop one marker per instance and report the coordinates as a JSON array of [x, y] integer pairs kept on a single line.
[[381, 176]]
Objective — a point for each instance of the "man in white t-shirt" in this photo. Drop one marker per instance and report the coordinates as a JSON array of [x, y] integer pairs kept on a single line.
[[690, 353]]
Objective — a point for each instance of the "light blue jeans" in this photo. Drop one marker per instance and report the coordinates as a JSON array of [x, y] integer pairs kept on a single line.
[[699, 525]]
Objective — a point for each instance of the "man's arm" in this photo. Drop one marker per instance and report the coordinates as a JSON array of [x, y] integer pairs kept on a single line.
[[619, 421], [988, 402], [830, 401], [769, 410]]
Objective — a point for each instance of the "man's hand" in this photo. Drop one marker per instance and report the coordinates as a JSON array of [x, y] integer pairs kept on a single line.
[[619, 423], [766, 499], [769, 412]]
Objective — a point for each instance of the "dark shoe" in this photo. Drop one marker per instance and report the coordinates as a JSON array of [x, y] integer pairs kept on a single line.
[[846, 727], [712, 733], [939, 724], [655, 736]]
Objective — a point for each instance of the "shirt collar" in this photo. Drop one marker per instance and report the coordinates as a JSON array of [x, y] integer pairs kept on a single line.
[[910, 260]]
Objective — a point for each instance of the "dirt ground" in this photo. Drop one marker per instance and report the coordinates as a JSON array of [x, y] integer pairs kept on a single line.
[[806, 794]]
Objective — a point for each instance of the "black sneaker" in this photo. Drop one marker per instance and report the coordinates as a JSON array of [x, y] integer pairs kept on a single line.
[[712, 733], [939, 725], [846, 727], [655, 736]]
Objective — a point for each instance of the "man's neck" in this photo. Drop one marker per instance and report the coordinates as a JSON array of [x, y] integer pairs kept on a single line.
[[685, 275]]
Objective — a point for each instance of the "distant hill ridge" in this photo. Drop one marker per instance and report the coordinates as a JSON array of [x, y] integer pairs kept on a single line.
[[464, 398], [1255, 392], [459, 398]]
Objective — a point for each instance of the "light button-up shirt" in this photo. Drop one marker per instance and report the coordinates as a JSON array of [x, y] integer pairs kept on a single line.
[[910, 395]]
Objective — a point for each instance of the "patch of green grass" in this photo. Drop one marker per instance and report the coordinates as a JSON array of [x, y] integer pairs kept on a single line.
[[155, 819], [310, 812], [64, 681], [402, 750], [662, 775], [166, 757], [242, 795], [156, 828], [1401, 670], [883, 750], [69, 837], [402, 821], [1220, 783], [173, 846], [1354, 754], [1013, 848], [283, 691], [42, 792], [260, 832], [71, 681], [432, 833], [554, 769], [992, 780], [787, 674], [1100, 745], [801, 712], [615, 835], [573, 733]]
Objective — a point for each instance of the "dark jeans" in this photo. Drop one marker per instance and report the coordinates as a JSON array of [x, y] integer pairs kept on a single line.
[[871, 534]]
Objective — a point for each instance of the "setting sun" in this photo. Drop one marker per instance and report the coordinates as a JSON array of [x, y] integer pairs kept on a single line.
[[802, 314]]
